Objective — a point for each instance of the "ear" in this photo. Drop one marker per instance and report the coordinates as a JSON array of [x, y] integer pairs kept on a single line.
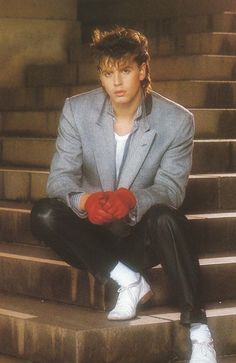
[[142, 72]]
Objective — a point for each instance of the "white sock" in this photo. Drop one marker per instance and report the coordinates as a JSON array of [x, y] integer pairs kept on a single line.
[[200, 332], [123, 275]]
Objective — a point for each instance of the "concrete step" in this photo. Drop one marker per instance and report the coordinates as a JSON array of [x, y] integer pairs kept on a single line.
[[37, 153], [206, 67], [194, 43], [204, 23], [38, 99], [33, 41], [195, 67], [210, 192], [220, 156], [26, 123], [209, 123], [55, 75], [22, 184], [38, 330], [35, 271], [29, 9], [223, 22], [173, 44], [199, 94], [216, 231], [33, 152], [214, 123], [191, 94], [15, 223], [9, 359], [150, 10], [225, 359]]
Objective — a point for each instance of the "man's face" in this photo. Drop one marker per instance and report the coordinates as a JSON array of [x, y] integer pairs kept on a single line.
[[121, 79]]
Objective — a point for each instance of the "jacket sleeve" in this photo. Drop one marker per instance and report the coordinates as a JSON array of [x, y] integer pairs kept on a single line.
[[66, 167], [172, 176]]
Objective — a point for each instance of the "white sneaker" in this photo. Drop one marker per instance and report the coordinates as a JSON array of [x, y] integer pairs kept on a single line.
[[203, 352], [128, 299]]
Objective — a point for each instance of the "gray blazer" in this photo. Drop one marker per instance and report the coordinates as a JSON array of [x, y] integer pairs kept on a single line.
[[159, 157]]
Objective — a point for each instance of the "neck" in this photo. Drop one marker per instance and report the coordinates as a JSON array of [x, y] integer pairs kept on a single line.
[[127, 110]]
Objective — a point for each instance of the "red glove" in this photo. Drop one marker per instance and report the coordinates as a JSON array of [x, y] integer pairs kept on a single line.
[[119, 203], [94, 207]]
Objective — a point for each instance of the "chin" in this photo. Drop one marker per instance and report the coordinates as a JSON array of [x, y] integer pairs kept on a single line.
[[122, 99]]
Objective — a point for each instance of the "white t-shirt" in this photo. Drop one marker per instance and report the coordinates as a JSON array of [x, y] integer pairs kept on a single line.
[[120, 148]]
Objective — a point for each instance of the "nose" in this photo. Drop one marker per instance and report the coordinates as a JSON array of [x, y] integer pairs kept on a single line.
[[117, 79]]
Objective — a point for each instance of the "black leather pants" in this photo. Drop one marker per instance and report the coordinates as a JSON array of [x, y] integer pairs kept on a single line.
[[162, 236]]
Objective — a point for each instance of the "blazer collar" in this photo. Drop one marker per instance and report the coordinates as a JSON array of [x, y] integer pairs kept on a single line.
[[144, 109]]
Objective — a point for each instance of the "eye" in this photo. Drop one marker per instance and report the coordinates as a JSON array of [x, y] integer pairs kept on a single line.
[[126, 71], [107, 74]]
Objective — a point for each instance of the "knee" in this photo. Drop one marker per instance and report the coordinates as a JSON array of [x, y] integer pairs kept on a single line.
[[42, 215], [163, 216]]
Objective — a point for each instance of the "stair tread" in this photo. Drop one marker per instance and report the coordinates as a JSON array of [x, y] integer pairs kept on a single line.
[[46, 255], [22, 169], [15, 205], [45, 317], [78, 318], [28, 138], [35, 138]]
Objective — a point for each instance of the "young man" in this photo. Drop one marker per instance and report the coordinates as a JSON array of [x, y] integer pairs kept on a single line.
[[119, 173]]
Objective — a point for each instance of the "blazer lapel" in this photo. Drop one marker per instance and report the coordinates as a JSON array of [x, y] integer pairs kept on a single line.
[[104, 149], [138, 150]]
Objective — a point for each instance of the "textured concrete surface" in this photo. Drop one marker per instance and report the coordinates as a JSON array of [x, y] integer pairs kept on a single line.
[[36, 271], [37, 152], [169, 25], [209, 123], [151, 9], [216, 231], [176, 44], [49, 332], [45, 9], [23, 42], [214, 123], [191, 94], [8, 359], [199, 67]]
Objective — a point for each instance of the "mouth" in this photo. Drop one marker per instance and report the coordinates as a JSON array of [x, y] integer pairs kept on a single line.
[[119, 93]]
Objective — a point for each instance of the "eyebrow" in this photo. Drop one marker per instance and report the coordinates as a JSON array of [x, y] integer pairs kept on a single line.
[[111, 69]]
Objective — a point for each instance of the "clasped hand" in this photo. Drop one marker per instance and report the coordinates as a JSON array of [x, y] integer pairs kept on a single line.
[[104, 207]]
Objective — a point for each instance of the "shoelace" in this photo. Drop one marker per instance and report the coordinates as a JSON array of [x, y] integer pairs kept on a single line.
[[127, 288]]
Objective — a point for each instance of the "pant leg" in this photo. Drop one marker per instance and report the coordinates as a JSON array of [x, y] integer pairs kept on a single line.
[[77, 241], [163, 236], [169, 233]]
